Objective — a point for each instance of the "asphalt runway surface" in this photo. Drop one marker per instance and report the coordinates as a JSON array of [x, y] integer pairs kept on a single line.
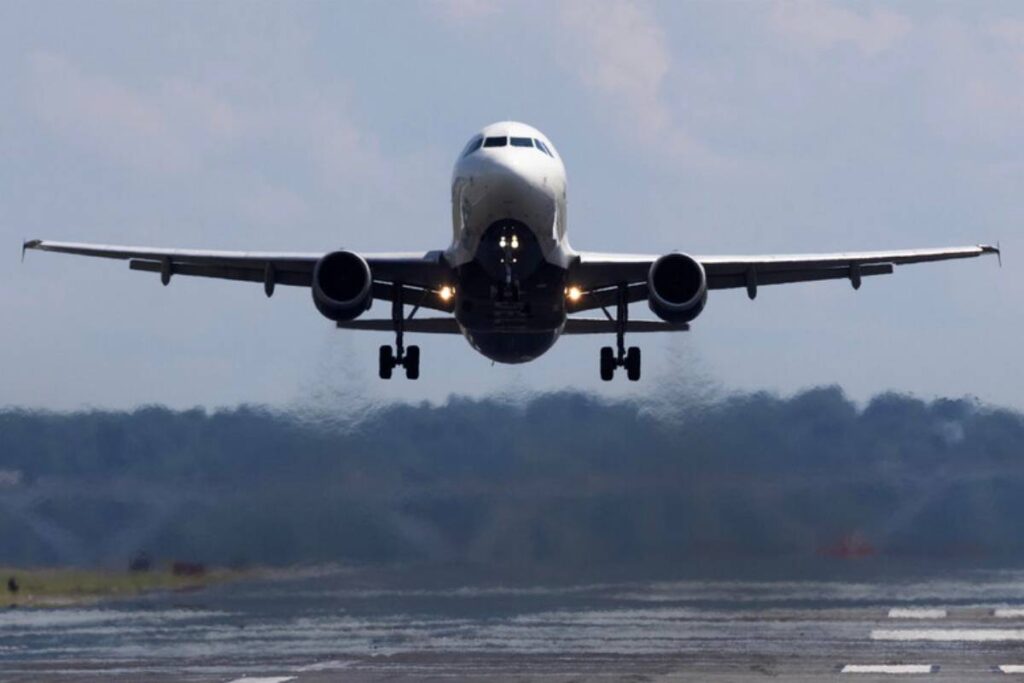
[[334, 626]]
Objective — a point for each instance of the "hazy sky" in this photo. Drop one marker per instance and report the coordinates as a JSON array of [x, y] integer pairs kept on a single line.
[[704, 126]]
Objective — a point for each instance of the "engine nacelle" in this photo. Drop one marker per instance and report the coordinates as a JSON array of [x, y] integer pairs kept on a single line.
[[342, 285], [677, 288]]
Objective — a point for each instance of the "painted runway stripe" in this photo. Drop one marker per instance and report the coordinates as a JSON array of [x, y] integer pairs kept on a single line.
[[1009, 613], [330, 665], [916, 613], [948, 635], [889, 669], [1012, 668], [270, 679]]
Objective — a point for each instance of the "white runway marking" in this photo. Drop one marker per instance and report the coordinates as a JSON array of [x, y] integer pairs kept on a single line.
[[889, 669], [271, 679], [916, 613], [1012, 668], [947, 635], [330, 665], [1009, 613]]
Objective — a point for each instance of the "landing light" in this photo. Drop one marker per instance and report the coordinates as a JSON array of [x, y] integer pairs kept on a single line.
[[446, 293], [574, 293]]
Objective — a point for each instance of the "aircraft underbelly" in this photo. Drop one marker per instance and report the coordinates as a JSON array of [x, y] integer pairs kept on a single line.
[[509, 255], [511, 300]]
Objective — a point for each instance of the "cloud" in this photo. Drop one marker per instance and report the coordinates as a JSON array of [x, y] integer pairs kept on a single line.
[[105, 117], [169, 127], [619, 51], [206, 126], [820, 25], [975, 79], [463, 11], [1009, 30], [179, 124]]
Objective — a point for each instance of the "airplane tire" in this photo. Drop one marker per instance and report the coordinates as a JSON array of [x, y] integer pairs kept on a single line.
[[387, 362], [412, 362], [607, 363], [633, 363]]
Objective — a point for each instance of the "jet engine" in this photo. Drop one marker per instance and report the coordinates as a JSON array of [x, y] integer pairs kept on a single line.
[[342, 285], [677, 288]]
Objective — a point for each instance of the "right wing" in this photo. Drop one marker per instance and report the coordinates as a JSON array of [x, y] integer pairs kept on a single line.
[[418, 272]]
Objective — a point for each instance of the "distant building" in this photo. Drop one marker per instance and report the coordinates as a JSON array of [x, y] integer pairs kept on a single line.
[[188, 569], [140, 563]]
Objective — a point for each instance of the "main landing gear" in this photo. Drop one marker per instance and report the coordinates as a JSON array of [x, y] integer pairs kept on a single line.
[[390, 358], [620, 357]]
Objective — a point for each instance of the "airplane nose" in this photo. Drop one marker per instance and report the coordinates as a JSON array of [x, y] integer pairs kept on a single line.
[[507, 173]]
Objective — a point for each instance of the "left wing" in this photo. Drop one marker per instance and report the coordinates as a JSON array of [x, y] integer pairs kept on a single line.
[[416, 271], [598, 275]]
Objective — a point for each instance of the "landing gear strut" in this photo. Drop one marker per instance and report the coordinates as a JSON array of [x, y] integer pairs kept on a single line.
[[390, 358], [620, 357]]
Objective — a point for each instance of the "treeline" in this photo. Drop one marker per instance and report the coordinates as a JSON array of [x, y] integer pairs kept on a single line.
[[558, 481]]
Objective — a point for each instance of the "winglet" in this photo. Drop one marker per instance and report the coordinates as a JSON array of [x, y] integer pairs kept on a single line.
[[989, 249], [28, 244]]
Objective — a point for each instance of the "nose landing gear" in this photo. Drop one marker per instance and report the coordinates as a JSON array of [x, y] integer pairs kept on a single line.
[[620, 357], [390, 358]]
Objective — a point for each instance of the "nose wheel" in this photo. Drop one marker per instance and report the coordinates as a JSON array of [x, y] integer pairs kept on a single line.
[[620, 357], [399, 355]]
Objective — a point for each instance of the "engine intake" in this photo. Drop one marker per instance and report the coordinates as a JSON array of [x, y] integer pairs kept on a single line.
[[342, 285], [677, 288]]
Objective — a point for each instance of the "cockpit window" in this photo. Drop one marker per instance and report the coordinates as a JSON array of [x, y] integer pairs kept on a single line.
[[544, 148], [522, 142], [495, 142], [473, 145]]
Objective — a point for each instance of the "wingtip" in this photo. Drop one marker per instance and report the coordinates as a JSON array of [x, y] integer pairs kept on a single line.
[[27, 244], [989, 249]]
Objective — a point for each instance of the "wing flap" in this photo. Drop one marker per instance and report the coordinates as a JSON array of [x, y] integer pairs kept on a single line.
[[281, 260], [224, 272], [450, 326], [770, 262], [606, 297], [418, 297], [605, 326], [418, 325], [754, 276]]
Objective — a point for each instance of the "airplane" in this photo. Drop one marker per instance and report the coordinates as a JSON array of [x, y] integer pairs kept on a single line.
[[509, 281]]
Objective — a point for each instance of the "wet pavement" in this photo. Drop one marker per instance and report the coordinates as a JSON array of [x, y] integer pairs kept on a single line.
[[334, 625]]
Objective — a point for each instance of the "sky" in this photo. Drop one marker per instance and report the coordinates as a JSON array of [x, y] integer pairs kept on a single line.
[[704, 127]]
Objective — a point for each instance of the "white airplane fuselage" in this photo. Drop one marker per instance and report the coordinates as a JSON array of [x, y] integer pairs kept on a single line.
[[509, 246]]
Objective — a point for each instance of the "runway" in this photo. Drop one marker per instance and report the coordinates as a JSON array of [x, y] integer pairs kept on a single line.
[[340, 626]]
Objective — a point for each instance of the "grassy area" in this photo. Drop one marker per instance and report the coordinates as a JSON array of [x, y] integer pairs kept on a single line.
[[57, 586]]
